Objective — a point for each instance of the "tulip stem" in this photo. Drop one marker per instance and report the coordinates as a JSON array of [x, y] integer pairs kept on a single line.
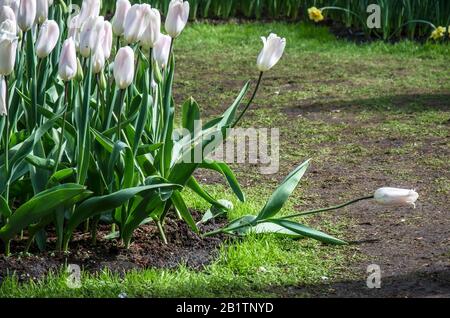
[[256, 222], [7, 134], [63, 128], [336, 207], [119, 116], [250, 101]]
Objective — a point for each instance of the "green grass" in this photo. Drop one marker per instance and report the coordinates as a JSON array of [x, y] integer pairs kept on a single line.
[[346, 104]]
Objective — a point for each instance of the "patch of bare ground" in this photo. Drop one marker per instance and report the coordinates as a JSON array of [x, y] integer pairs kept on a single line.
[[146, 251]]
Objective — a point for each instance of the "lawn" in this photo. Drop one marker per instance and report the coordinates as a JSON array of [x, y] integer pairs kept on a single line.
[[369, 115]]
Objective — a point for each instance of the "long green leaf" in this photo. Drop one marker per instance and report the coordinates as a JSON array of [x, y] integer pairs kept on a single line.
[[283, 192], [39, 207]]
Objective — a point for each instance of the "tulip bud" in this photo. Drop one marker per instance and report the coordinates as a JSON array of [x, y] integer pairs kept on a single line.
[[90, 35], [8, 47], [47, 39], [102, 81], [26, 15], [157, 76], [3, 102], [6, 13], [133, 26], [271, 53], [41, 10], [161, 50], [177, 17], [396, 197], [68, 61], [124, 67], [80, 75], [89, 9], [118, 22], [152, 29]]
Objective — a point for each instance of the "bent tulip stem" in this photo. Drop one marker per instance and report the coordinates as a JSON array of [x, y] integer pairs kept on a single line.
[[250, 101], [336, 207]]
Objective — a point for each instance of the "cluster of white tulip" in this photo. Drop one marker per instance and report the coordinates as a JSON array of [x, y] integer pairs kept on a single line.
[[22, 15]]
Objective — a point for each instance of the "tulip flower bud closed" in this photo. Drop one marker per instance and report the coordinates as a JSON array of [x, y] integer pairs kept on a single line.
[[3, 104], [177, 17], [271, 53], [161, 50], [80, 75], [102, 81], [6, 13], [8, 46], [68, 61], [41, 11], [118, 22], [152, 29], [47, 39], [124, 67], [26, 15], [396, 197], [134, 22]]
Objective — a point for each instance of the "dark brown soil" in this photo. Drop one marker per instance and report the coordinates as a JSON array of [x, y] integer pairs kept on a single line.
[[146, 251]]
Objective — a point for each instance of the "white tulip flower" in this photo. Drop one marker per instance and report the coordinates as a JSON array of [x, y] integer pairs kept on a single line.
[[90, 35], [161, 50], [68, 65], [42, 10], [124, 67], [26, 15], [47, 39], [134, 23], [89, 9], [396, 197], [8, 46], [177, 17], [152, 30], [6, 13], [118, 22], [271, 53]]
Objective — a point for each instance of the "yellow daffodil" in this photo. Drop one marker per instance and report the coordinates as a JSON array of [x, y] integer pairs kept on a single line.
[[315, 14], [438, 33]]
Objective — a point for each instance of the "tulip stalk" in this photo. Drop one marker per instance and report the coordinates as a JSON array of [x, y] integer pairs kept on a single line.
[[250, 100], [119, 115], [317, 211], [63, 127], [7, 134], [332, 208]]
